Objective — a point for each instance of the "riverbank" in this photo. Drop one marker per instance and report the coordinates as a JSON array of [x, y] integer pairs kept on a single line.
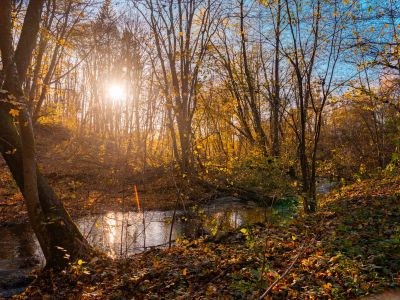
[[349, 249], [91, 176], [85, 194]]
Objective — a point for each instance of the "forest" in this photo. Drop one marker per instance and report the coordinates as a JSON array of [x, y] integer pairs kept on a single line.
[[200, 149]]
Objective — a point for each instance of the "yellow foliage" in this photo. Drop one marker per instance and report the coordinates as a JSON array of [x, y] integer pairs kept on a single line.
[[14, 112]]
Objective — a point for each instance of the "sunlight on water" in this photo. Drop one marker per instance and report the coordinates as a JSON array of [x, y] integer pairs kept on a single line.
[[126, 233], [235, 220], [121, 234]]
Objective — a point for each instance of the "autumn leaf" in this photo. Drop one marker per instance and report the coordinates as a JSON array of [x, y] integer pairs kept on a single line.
[[327, 287], [14, 112]]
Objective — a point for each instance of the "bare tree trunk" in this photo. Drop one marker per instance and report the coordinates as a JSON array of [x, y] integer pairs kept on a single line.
[[276, 95], [260, 133], [58, 236]]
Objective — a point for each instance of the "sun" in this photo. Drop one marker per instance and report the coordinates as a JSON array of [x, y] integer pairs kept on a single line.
[[116, 92]]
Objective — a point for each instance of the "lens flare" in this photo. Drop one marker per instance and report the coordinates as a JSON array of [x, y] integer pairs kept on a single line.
[[116, 92]]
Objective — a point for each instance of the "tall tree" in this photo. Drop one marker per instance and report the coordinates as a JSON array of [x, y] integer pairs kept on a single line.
[[312, 39], [182, 32], [59, 238]]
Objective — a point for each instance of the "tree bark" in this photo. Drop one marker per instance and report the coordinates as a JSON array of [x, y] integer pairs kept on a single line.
[[276, 97], [59, 238]]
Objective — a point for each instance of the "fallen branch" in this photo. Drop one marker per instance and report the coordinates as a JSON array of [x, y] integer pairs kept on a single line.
[[284, 273]]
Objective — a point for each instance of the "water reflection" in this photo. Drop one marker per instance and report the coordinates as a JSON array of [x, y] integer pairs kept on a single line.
[[17, 246], [19, 253], [121, 234]]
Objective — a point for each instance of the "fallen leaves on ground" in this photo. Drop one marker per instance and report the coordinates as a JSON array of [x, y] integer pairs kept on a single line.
[[349, 249]]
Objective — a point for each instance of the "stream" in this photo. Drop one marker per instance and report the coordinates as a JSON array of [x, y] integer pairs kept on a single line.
[[124, 233]]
